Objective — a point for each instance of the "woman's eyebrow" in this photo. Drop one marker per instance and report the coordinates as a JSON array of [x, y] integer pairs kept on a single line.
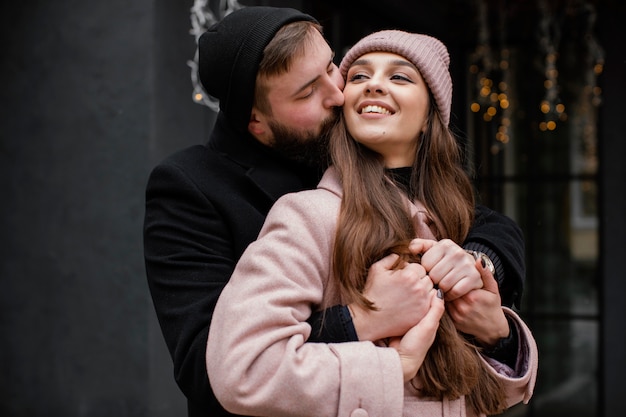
[[396, 62], [402, 62], [361, 61]]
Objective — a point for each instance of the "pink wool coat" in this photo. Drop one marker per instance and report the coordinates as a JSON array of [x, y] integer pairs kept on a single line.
[[257, 359]]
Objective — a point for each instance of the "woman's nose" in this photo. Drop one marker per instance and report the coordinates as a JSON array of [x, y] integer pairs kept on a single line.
[[375, 89], [374, 85]]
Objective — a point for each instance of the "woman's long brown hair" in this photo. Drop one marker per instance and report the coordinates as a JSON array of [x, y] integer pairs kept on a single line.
[[374, 221]]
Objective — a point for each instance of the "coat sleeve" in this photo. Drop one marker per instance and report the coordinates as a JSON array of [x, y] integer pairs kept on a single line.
[[188, 261], [519, 383], [503, 241], [257, 358]]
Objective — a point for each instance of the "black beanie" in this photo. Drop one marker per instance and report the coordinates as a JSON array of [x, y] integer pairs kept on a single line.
[[229, 54]]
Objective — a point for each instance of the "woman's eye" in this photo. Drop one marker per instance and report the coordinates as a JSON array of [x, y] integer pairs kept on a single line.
[[401, 78], [357, 77]]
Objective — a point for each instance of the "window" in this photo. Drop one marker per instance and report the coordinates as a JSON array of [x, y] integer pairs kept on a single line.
[[532, 127]]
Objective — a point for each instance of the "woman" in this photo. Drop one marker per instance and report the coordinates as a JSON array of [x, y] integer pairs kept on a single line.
[[395, 175]]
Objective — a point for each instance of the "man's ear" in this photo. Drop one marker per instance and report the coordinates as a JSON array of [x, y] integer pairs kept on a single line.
[[258, 126]]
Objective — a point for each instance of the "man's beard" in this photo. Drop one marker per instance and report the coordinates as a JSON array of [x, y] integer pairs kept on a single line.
[[304, 147]]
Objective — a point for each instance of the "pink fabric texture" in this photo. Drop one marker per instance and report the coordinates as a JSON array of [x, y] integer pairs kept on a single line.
[[258, 360]]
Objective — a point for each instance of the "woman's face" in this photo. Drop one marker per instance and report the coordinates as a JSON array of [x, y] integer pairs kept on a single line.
[[386, 106]]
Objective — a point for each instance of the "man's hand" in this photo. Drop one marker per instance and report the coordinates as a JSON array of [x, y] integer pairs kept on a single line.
[[479, 312], [449, 266], [401, 298]]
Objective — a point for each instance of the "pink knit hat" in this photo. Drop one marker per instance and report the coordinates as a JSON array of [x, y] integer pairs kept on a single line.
[[428, 54]]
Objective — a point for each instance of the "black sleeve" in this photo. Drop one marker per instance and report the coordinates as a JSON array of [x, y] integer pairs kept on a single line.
[[505, 351], [500, 238], [188, 261], [333, 325]]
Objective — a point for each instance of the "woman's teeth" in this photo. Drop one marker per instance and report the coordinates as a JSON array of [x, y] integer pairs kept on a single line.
[[375, 109]]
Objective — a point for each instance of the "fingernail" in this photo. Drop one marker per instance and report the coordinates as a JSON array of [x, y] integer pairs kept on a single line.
[[439, 293]]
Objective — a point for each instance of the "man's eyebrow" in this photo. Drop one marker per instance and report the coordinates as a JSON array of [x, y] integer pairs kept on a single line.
[[311, 82], [305, 86]]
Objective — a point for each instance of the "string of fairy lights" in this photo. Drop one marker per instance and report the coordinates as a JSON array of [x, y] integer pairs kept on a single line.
[[491, 72], [486, 66], [550, 35]]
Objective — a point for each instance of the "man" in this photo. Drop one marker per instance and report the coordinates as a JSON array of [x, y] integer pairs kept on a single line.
[[278, 92]]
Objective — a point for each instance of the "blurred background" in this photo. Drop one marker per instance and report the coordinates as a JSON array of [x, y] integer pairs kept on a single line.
[[95, 93]]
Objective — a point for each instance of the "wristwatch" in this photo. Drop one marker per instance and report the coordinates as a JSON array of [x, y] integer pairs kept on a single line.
[[488, 264]]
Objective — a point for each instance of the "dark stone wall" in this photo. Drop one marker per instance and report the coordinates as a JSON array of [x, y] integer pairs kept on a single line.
[[612, 168], [94, 94]]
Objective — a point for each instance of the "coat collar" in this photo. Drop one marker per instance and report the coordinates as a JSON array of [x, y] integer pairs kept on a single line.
[[271, 173], [330, 181]]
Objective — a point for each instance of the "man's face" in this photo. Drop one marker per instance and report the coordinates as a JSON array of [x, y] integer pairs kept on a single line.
[[303, 102]]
